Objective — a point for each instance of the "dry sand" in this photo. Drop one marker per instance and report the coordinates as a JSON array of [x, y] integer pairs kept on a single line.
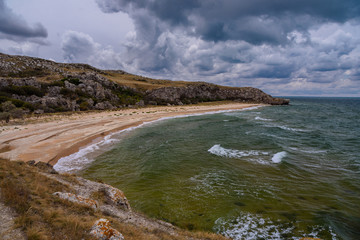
[[50, 138]]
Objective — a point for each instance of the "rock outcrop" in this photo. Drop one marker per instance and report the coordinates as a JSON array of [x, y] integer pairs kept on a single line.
[[78, 199], [110, 201], [205, 92], [85, 91], [102, 230], [86, 189]]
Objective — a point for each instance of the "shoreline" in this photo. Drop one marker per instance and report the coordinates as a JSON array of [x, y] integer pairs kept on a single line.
[[63, 136]]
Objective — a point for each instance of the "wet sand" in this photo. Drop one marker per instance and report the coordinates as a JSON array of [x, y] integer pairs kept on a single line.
[[48, 139]]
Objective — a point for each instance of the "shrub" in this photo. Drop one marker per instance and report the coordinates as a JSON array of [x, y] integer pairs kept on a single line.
[[82, 94], [67, 92], [23, 90], [28, 106], [127, 96], [36, 72], [60, 109], [58, 83], [17, 113], [17, 102], [7, 106], [74, 81], [5, 116], [84, 106], [4, 94], [4, 99]]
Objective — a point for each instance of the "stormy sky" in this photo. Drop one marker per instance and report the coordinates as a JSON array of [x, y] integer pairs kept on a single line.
[[284, 47]]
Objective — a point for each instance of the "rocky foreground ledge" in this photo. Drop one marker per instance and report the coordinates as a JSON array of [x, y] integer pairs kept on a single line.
[[38, 203]]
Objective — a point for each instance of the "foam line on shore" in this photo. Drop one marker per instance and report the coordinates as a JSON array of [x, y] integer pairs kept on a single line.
[[86, 155]]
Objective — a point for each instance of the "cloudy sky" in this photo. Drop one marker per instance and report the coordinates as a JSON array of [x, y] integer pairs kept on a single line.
[[284, 47]]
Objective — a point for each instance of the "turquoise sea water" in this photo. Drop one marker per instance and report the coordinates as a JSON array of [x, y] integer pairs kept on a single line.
[[279, 172]]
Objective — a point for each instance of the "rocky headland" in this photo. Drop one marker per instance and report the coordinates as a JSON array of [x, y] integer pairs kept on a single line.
[[37, 86]]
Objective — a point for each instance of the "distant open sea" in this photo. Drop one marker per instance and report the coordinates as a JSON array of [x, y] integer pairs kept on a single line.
[[279, 172]]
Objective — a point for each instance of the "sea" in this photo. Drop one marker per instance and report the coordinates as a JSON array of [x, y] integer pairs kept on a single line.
[[273, 172]]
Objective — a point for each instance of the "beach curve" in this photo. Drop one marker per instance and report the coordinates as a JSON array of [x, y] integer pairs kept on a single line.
[[50, 139]]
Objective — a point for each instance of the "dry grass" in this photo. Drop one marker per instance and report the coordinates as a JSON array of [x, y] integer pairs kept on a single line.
[[43, 216], [40, 214], [143, 83]]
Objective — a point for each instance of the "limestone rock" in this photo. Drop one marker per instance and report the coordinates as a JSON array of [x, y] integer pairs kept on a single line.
[[102, 230], [209, 92], [104, 105], [54, 91], [116, 197], [78, 199]]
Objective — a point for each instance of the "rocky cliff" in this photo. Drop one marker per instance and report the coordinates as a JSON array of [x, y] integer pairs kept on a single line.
[[38, 85], [205, 92]]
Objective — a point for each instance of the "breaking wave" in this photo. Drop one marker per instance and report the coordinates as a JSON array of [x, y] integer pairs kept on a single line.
[[262, 119], [277, 158], [257, 156], [231, 153]]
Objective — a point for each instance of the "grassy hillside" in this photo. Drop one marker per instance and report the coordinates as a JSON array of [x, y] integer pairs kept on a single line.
[[49, 71]]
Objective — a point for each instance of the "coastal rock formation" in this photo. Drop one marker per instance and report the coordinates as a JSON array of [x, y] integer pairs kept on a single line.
[[102, 230], [77, 199], [115, 197], [111, 202], [205, 92], [83, 91], [38, 85]]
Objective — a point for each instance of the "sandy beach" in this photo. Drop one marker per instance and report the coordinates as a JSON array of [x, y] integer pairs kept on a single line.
[[48, 139]]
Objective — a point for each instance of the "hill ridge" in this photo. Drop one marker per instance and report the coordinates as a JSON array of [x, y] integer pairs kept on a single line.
[[39, 85]]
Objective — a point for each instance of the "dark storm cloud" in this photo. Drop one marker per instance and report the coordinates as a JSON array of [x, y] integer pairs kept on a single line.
[[296, 46], [174, 12], [257, 21], [13, 27]]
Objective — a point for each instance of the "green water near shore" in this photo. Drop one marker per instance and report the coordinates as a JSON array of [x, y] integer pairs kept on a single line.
[[270, 173]]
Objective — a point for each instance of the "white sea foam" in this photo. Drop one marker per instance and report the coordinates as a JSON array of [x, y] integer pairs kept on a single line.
[[250, 226], [308, 150], [232, 153], [287, 128], [210, 182], [86, 155], [262, 119], [254, 226], [291, 129], [277, 158]]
